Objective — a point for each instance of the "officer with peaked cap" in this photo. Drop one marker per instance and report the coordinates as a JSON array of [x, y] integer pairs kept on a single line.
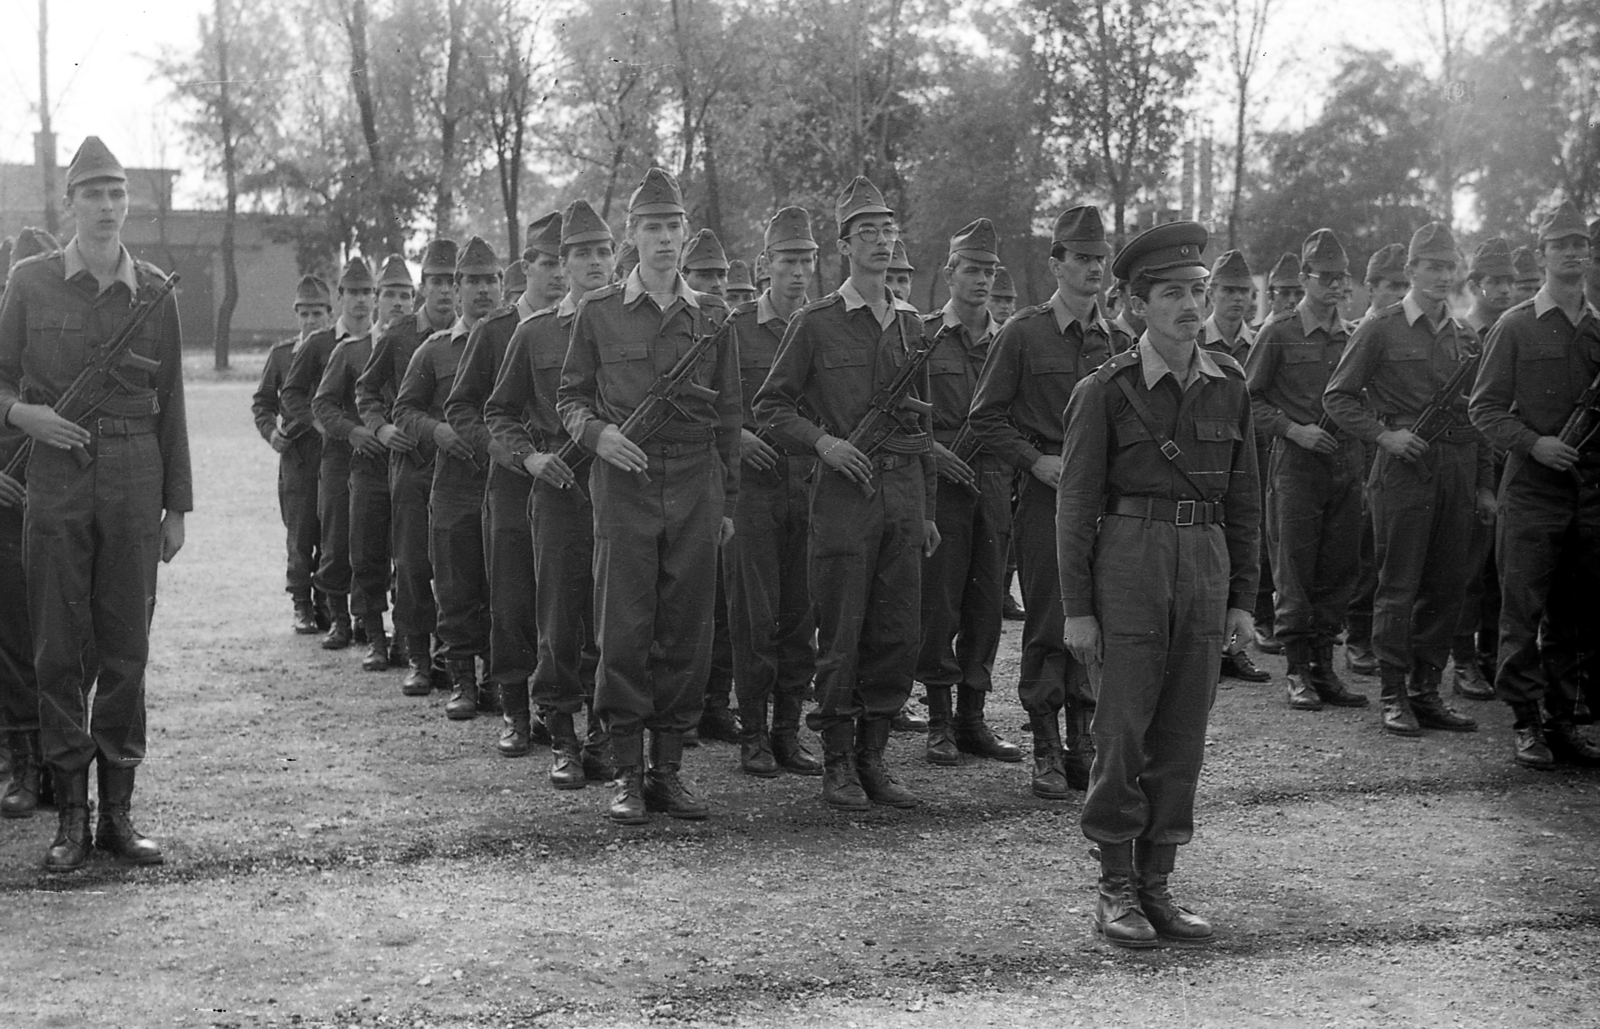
[[1424, 493], [900, 272], [962, 580], [1157, 514], [460, 475], [1315, 473], [740, 289], [705, 264], [1003, 296], [872, 514], [95, 532], [299, 455], [1527, 277], [410, 463], [397, 293], [1032, 367], [508, 543], [356, 292], [769, 604], [662, 504], [522, 418], [1541, 355]]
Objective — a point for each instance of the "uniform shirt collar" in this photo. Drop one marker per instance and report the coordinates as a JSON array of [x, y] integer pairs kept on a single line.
[[1122, 324], [567, 308], [766, 312], [341, 331], [1155, 366], [634, 288], [459, 328], [951, 320], [1332, 327], [1065, 318], [853, 299], [1213, 334], [1414, 311], [525, 310], [1544, 303], [73, 264]]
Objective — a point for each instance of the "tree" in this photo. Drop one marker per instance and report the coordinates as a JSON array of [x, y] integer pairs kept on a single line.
[[1245, 23], [505, 92], [388, 231]]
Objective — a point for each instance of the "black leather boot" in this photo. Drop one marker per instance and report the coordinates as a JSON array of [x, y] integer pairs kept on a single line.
[[627, 798], [872, 739], [377, 657], [418, 681], [305, 615], [489, 702], [1153, 863], [1468, 679], [1530, 749], [907, 720], [114, 831], [1358, 655], [463, 702], [324, 611], [1077, 744], [1118, 918], [514, 720], [788, 749], [941, 749], [22, 794], [1325, 680], [755, 745], [1397, 716], [664, 788], [566, 760], [339, 633], [717, 721], [70, 849], [973, 734], [1299, 687], [1431, 710], [841, 783], [1568, 743], [1049, 772], [599, 762]]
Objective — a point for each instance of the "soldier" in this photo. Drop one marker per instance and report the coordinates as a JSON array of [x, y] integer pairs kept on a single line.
[[95, 533], [1527, 277], [740, 289], [1158, 558], [1541, 355], [961, 581], [770, 616], [521, 414], [455, 505], [1030, 372], [1128, 325], [332, 577], [1003, 296], [870, 515], [627, 260], [1284, 291], [299, 456], [763, 273], [516, 283], [1314, 475], [513, 621], [397, 293], [705, 264], [1232, 295], [410, 463], [333, 406], [900, 272], [661, 507], [1423, 493]]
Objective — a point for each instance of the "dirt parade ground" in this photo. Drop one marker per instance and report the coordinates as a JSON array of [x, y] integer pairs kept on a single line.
[[338, 854]]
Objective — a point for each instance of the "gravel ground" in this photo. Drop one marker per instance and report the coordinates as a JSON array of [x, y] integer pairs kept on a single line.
[[339, 854]]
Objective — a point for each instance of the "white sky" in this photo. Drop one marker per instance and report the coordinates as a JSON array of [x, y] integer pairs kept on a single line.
[[101, 79]]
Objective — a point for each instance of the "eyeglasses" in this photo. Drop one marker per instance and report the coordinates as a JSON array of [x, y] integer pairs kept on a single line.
[[1332, 280], [874, 233]]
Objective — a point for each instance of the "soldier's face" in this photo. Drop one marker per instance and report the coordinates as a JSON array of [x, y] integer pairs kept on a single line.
[[1323, 289], [1002, 308], [1174, 309], [1388, 292], [439, 298], [870, 244], [356, 304], [707, 280], [736, 295], [970, 282], [1285, 297], [99, 207], [589, 266], [1078, 275], [899, 284], [1565, 260], [1524, 289], [478, 292], [1232, 303], [659, 238], [1431, 278], [791, 272], [547, 280], [394, 302], [1496, 291], [312, 318]]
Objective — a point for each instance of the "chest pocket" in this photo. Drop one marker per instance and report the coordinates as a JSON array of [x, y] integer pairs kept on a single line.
[[841, 358], [1216, 430], [1302, 354], [1053, 364], [1406, 351], [545, 360], [1542, 352], [613, 353], [1130, 429], [945, 366]]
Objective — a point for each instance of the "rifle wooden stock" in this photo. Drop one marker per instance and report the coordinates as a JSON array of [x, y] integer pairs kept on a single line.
[[1435, 418]]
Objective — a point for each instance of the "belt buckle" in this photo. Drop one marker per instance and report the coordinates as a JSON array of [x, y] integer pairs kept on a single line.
[[1181, 520]]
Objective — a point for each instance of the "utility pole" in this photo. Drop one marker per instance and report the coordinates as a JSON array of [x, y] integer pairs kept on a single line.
[[46, 143]]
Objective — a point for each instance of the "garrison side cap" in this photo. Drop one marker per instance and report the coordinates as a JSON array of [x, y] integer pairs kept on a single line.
[[763, 272], [357, 275], [859, 197], [1082, 231], [704, 252], [790, 229], [395, 273], [440, 257], [543, 236], [94, 160], [1493, 258], [1231, 269], [1169, 251], [1003, 286], [1433, 242], [657, 193], [1564, 221], [31, 242], [516, 280], [1285, 273], [899, 259], [580, 224], [1322, 252], [1389, 262], [477, 258], [739, 275], [976, 241], [1525, 266], [312, 290]]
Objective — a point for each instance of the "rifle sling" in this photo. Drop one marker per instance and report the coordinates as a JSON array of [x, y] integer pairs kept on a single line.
[[1169, 449]]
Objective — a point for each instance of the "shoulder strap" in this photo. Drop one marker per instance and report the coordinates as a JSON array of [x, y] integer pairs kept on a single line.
[[1169, 448]]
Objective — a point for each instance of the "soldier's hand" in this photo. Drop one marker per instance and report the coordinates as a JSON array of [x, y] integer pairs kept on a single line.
[[171, 535], [278, 441], [725, 533], [619, 451], [1488, 505], [930, 537], [953, 468], [365, 441], [1313, 438], [1081, 634], [549, 468], [1048, 470], [12, 492], [450, 441], [756, 452], [397, 441], [1403, 443], [1552, 453], [42, 423], [842, 456], [1241, 625]]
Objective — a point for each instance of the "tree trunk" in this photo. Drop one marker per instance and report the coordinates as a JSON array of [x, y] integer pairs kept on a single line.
[[686, 127], [230, 270], [1238, 169], [713, 182], [361, 83], [449, 123]]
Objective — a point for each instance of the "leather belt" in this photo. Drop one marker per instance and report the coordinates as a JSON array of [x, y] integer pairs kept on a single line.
[[1181, 513], [145, 426], [885, 462], [671, 448]]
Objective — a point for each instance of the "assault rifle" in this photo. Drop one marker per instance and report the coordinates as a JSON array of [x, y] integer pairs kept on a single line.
[[1436, 418], [658, 405], [882, 416], [99, 378], [966, 446], [1584, 421]]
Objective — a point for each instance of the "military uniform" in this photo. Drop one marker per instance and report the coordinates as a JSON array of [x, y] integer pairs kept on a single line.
[[1157, 549], [1032, 367]]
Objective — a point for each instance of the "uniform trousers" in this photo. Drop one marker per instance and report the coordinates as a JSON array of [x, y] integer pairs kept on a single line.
[[333, 514], [1161, 596], [769, 602], [962, 582], [513, 616], [1050, 678], [19, 689], [564, 596], [1314, 525], [1358, 615], [455, 547], [370, 568], [410, 487], [298, 468]]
